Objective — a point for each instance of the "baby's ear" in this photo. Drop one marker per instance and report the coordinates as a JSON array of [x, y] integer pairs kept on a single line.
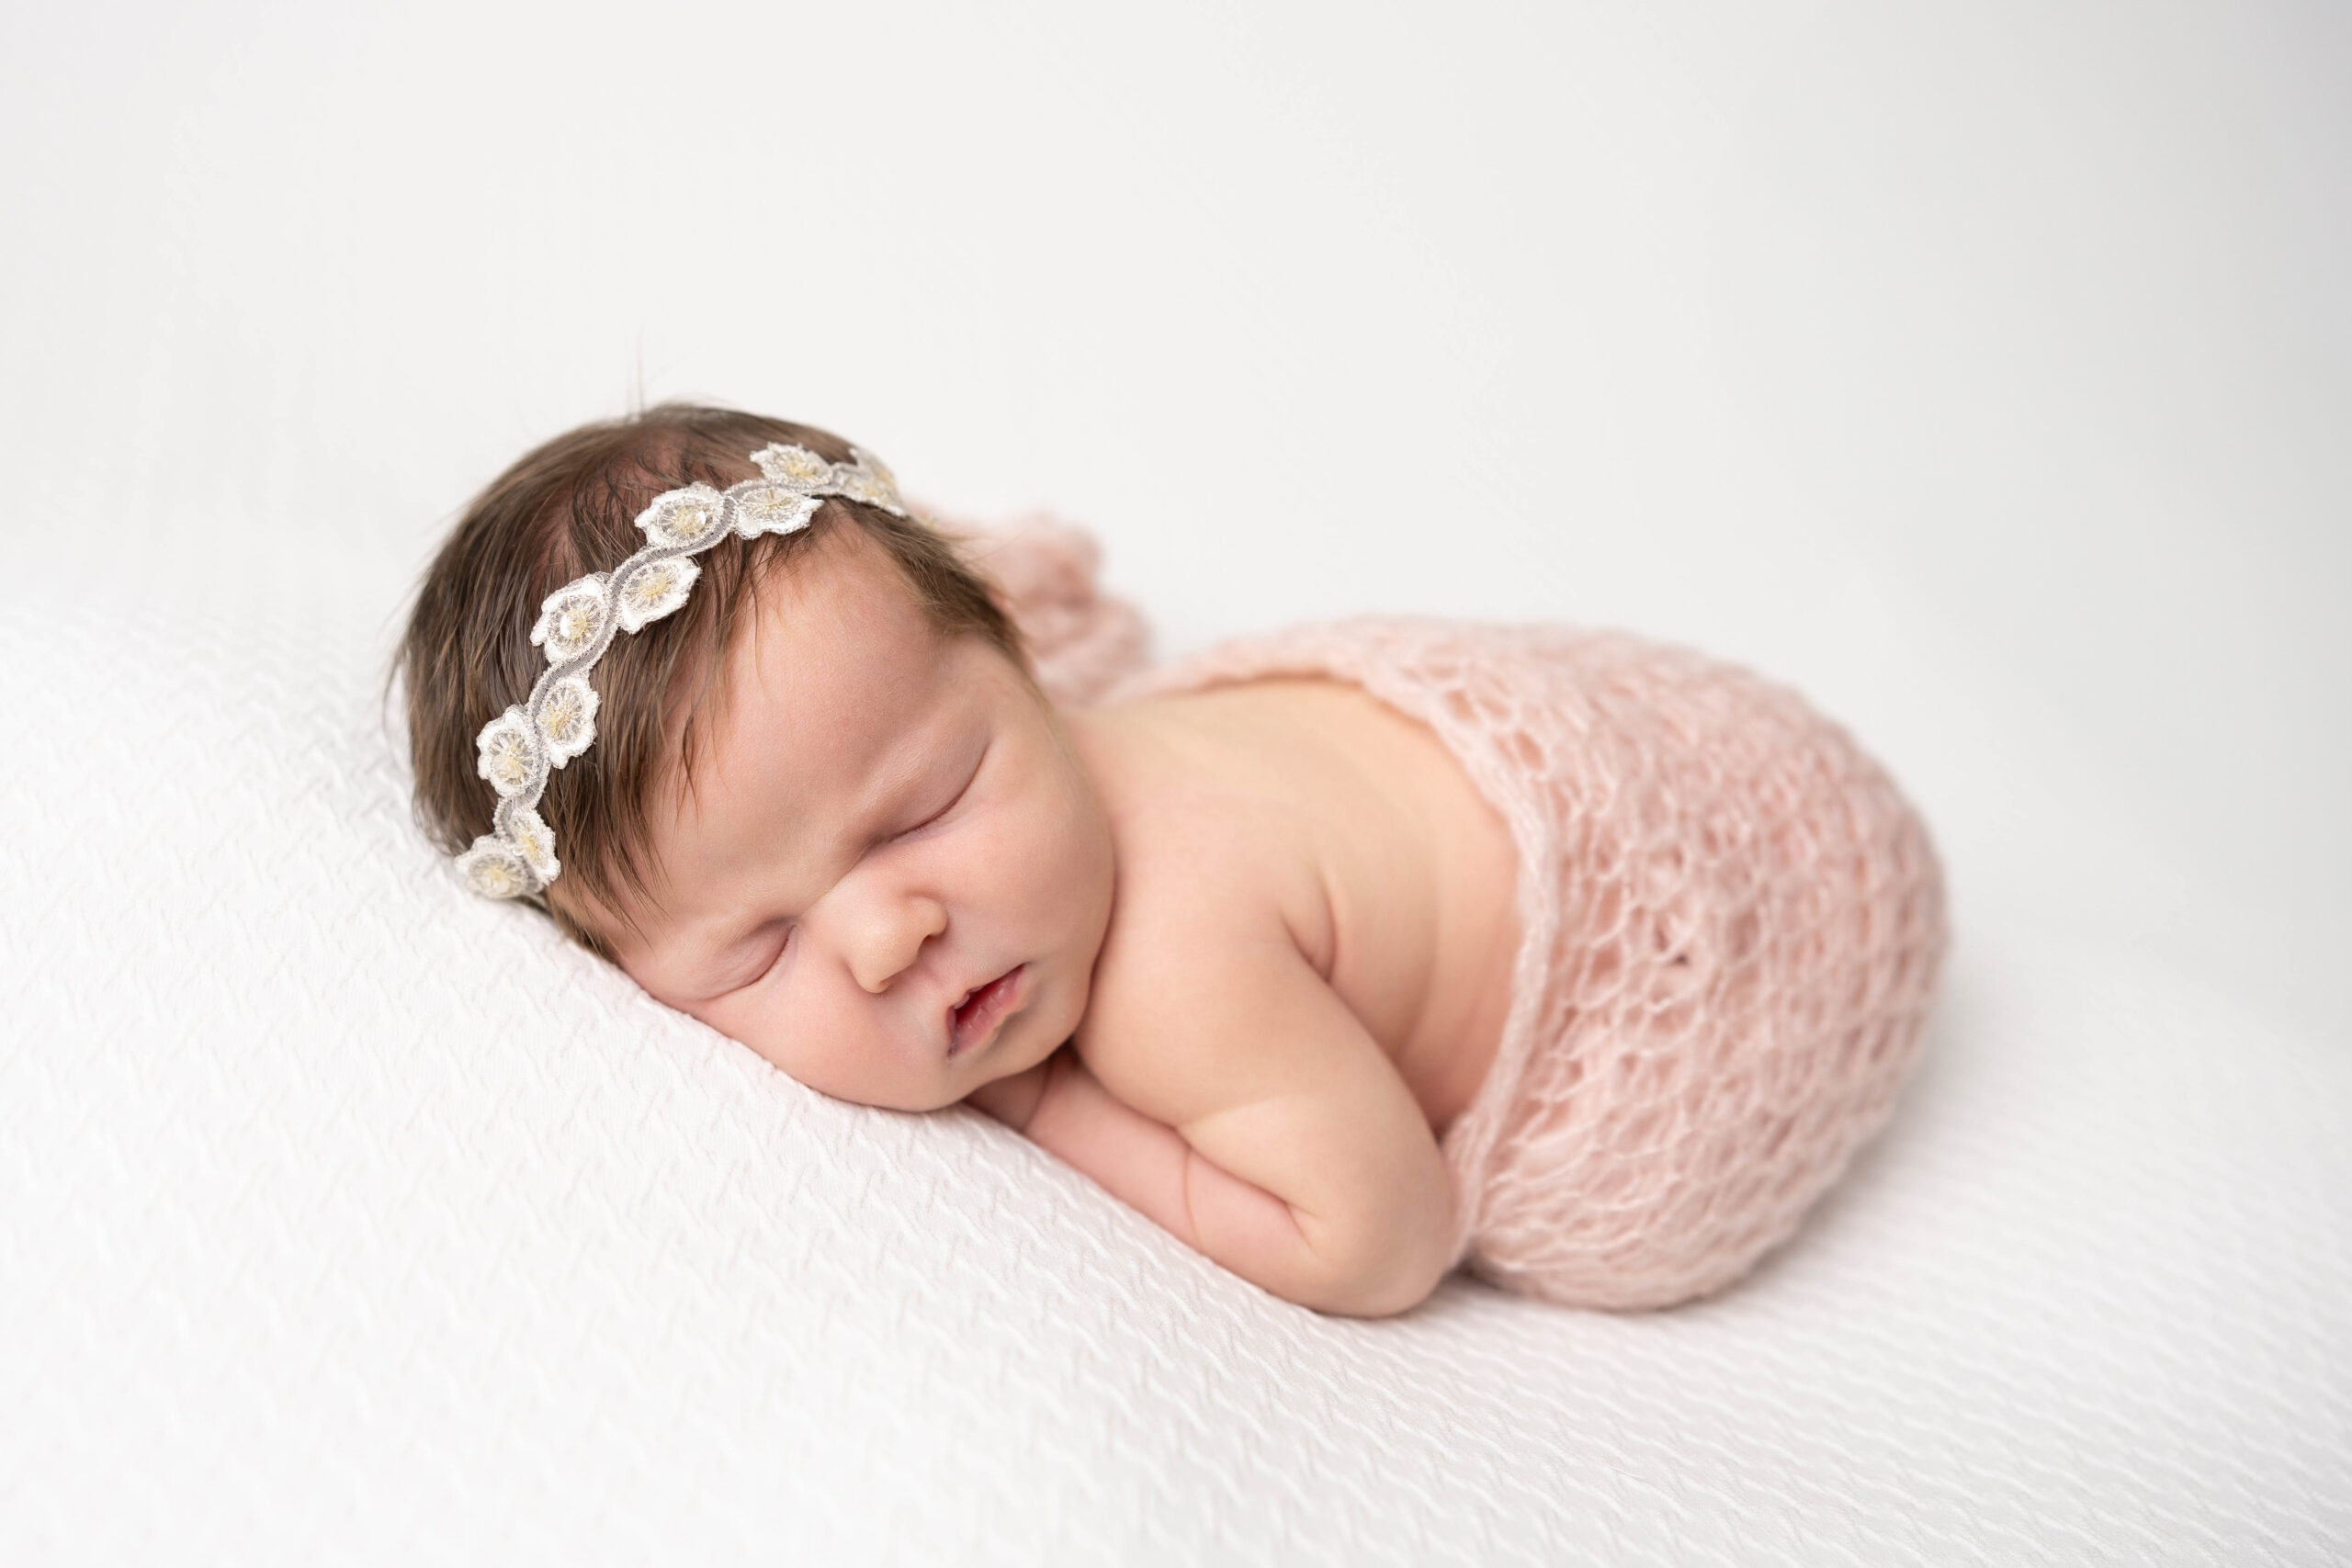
[[1042, 573]]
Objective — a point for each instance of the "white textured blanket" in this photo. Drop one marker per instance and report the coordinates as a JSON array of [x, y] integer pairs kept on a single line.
[[346, 1216]]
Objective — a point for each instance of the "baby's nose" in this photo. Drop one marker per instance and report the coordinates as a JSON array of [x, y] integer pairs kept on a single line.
[[893, 940]]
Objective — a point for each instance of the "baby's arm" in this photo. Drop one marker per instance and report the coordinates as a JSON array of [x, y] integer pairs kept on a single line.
[[1247, 1111], [1063, 1107]]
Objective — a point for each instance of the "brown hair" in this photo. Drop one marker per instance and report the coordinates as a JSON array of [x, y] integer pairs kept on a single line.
[[568, 508]]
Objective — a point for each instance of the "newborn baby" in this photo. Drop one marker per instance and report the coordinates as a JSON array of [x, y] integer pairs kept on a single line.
[[1347, 956]]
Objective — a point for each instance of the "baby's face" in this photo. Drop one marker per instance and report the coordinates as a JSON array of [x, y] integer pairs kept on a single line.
[[891, 875]]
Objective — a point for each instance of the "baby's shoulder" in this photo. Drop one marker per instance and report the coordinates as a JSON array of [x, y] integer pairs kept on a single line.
[[1211, 836], [1203, 962], [1218, 895], [1203, 877]]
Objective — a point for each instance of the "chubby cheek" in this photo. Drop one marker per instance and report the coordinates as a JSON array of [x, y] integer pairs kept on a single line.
[[833, 1044], [1013, 894], [1032, 876], [1066, 871], [802, 1032]]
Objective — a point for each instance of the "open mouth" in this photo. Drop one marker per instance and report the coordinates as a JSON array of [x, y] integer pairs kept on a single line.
[[973, 1020]]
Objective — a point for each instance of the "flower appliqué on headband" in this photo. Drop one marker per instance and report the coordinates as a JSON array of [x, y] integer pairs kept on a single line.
[[568, 715], [795, 467], [687, 516], [768, 507], [507, 752], [536, 846], [571, 616], [655, 589], [864, 478], [494, 871]]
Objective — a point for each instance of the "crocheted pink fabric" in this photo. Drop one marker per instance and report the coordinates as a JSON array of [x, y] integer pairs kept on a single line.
[[1729, 920], [1081, 639]]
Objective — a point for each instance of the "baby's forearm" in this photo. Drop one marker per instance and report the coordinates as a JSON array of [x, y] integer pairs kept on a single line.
[[1149, 1166]]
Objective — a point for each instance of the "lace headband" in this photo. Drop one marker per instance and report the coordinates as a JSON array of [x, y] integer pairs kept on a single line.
[[578, 621]]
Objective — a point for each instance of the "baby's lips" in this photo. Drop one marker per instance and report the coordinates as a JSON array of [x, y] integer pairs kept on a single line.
[[978, 1012]]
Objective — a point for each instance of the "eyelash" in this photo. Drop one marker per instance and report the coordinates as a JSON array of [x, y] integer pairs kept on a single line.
[[953, 801], [928, 820], [769, 968]]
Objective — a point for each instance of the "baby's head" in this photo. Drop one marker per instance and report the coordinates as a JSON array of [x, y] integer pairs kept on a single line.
[[826, 810]]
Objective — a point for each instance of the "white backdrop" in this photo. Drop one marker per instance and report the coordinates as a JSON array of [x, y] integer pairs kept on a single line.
[[1983, 369]]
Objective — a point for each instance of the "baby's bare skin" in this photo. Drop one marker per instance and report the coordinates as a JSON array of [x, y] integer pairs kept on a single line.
[[1306, 976], [1272, 923]]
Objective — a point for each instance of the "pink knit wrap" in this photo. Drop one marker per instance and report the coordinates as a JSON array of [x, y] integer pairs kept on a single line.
[[1730, 923], [1081, 640]]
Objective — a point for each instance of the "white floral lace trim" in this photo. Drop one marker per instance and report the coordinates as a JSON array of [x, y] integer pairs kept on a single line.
[[577, 623]]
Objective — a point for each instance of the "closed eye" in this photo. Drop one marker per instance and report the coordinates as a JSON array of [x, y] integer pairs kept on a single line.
[[773, 963], [952, 801]]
